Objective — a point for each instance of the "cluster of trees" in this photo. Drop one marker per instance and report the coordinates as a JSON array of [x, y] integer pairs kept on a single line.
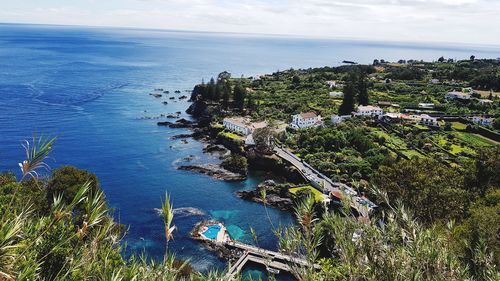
[[221, 91], [235, 163], [405, 73], [437, 193], [355, 90], [342, 152]]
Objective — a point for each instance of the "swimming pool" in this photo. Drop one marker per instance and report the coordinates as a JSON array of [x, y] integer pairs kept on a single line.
[[211, 232]]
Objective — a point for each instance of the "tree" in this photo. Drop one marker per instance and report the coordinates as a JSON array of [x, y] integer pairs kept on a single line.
[[496, 123], [224, 76], [211, 89], [250, 102], [472, 58], [362, 90], [226, 90], [67, 180], [239, 94], [235, 163], [218, 91], [263, 138], [441, 59], [433, 190], [347, 105]]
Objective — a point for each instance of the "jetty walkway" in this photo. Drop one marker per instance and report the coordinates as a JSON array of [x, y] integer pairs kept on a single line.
[[270, 259], [324, 184]]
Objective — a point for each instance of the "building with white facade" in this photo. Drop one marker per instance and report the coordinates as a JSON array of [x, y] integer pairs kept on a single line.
[[336, 94], [485, 121], [369, 110], [428, 120], [331, 84], [457, 96], [424, 105], [337, 119], [485, 101], [306, 120], [240, 125]]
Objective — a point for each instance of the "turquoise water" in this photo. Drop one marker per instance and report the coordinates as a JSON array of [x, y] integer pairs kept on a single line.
[[211, 232], [90, 87]]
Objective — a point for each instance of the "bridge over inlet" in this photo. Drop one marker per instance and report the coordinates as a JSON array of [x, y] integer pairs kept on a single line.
[[321, 182], [270, 259]]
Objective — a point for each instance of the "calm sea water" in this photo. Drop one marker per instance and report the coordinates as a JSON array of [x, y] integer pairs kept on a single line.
[[90, 86]]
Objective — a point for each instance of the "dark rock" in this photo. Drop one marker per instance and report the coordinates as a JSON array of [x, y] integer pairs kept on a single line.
[[171, 98], [211, 148], [165, 102], [214, 171], [198, 108], [181, 136], [164, 123], [183, 97], [273, 197]]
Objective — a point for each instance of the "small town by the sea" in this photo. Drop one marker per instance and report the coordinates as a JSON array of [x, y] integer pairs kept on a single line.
[[187, 141]]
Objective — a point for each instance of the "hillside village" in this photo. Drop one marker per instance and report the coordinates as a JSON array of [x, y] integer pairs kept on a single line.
[[425, 134]]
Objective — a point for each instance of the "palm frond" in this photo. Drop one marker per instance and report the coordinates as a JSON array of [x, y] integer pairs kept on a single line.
[[36, 152], [167, 211]]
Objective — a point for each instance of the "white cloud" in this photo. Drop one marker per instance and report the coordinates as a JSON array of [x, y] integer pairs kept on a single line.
[[472, 21]]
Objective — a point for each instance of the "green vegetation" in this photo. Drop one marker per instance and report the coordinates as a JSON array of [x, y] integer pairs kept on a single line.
[[474, 139], [458, 126], [307, 189], [60, 228], [446, 177], [235, 163], [231, 136]]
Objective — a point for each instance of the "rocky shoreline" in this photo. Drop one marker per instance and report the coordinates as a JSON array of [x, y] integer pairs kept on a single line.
[[215, 171]]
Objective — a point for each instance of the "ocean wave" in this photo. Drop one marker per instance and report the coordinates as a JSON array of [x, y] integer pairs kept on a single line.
[[184, 211]]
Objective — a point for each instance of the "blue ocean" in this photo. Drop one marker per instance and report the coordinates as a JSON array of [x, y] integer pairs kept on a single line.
[[90, 88]]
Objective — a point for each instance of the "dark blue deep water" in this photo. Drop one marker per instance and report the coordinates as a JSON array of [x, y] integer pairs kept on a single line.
[[90, 87]]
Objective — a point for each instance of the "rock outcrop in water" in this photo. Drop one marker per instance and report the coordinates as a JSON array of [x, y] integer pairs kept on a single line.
[[214, 171], [275, 196]]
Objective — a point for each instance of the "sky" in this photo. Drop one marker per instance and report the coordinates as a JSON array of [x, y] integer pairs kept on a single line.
[[462, 21]]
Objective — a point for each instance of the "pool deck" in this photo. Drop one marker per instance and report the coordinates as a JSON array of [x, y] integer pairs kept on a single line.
[[222, 235]]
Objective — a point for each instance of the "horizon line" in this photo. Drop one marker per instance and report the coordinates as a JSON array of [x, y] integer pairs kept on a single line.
[[270, 35]]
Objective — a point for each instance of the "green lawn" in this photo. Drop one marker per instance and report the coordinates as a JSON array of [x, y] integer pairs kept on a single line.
[[458, 126], [421, 127], [454, 148], [232, 136], [318, 196], [410, 153], [474, 140]]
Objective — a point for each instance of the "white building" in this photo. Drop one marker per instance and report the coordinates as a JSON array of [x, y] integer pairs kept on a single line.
[[482, 120], [336, 94], [457, 96], [306, 120], [485, 101], [331, 84], [424, 105], [240, 125], [337, 119], [428, 120], [369, 110]]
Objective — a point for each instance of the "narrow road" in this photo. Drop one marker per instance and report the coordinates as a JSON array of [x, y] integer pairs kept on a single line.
[[325, 184]]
